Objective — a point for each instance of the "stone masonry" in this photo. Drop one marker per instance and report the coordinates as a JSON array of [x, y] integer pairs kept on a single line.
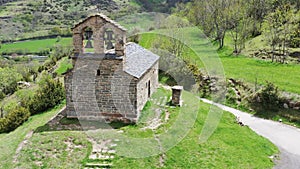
[[109, 85]]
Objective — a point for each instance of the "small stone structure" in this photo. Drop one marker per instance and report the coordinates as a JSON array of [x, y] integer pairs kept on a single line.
[[176, 95], [109, 84]]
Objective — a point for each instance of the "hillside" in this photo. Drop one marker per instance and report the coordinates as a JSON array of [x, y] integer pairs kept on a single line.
[[21, 19]]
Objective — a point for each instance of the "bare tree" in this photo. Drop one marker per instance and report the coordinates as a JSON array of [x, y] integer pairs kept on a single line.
[[175, 43], [238, 22], [212, 17]]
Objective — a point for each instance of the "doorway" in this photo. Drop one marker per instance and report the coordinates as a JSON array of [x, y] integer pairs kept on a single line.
[[149, 89]]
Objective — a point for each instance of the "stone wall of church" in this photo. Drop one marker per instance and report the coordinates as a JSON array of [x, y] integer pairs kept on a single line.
[[99, 90], [149, 80]]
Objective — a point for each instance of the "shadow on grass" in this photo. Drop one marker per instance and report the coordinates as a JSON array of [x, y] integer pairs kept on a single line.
[[288, 116], [62, 123]]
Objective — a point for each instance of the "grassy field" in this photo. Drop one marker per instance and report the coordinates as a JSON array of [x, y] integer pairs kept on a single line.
[[9, 142], [231, 146], [285, 76], [63, 65], [34, 46]]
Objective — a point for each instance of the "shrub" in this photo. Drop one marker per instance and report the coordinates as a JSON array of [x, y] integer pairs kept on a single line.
[[14, 119], [266, 99], [2, 95], [58, 38], [49, 94]]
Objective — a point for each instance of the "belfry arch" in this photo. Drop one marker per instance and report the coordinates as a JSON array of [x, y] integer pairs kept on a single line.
[[104, 31]]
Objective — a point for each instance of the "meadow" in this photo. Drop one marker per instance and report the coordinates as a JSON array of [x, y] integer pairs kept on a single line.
[[249, 70], [34, 46], [230, 146]]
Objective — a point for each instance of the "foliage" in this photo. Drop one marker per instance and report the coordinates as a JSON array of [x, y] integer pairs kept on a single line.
[[239, 23], [49, 94], [9, 142], [277, 28], [175, 42], [8, 80], [14, 119], [57, 54], [64, 65], [266, 99], [278, 20], [28, 71]]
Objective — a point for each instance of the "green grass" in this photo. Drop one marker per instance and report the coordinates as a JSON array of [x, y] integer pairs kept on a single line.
[[286, 77], [11, 102], [34, 46], [64, 65], [230, 146], [65, 149], [70, 149], [9, 142]]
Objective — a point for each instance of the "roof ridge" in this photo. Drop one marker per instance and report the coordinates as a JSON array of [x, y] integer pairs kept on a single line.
[[106, 18]]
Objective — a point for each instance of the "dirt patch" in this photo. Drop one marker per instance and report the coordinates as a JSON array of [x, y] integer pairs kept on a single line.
[[21, 145]]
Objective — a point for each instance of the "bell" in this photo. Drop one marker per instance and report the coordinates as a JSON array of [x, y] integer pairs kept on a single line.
[[89, 44], [88, 35], [109, 35], [109, 45]]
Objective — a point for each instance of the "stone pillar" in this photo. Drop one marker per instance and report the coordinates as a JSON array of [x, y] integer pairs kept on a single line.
[[99, 40], [78, 43], [176, 95], [120, 44]]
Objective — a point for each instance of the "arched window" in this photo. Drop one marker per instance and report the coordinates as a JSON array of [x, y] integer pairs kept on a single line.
[[109, 40], [88, 41]]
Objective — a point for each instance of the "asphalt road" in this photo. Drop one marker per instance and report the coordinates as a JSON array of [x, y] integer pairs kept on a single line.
[[285, 137]]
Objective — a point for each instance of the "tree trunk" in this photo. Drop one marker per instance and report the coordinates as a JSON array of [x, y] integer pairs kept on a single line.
[[273, 50]]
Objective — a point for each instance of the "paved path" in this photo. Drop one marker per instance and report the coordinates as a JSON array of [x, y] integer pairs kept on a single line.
[[285, 137]]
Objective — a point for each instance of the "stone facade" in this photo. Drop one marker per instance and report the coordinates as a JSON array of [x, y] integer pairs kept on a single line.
[[98, 87], [176, 95], [99, 23], [146, 86]]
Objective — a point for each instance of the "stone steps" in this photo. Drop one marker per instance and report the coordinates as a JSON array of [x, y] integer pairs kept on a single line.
[[102, 154]]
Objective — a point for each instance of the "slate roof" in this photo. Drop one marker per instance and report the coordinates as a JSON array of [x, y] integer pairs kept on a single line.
[[107, 19], [138, 60]]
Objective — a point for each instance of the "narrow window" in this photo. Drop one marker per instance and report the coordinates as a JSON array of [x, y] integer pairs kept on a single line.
[[98, 72]]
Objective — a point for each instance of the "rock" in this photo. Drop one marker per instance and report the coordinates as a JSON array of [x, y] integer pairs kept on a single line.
[[286, 106], [296, 108], [291, 104], [297, 104]]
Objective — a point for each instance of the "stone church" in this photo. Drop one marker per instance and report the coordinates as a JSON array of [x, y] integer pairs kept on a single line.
[[111, 80]]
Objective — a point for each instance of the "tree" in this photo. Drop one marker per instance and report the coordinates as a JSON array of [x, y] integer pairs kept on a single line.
[[278, 28], [238, 22], [175, 42], [14, 119], [272, 26], [174, 26], [212, 17], [258, 9], [49, 94]]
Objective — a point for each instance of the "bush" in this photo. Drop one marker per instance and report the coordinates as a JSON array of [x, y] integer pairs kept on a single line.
[[14, 119], [266, 99], [49, 94]]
